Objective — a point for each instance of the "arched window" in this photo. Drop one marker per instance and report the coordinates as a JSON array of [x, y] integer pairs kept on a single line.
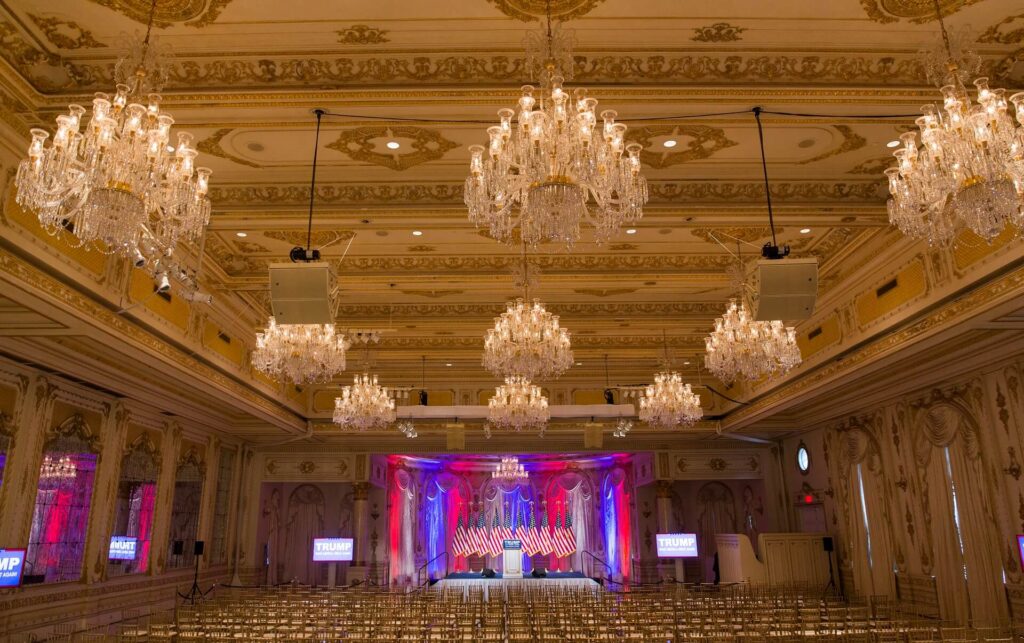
[[188, 496], [133, 516], [56, 543]]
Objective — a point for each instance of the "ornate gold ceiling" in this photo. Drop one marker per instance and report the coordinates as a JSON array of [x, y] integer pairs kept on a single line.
[[248, 75]]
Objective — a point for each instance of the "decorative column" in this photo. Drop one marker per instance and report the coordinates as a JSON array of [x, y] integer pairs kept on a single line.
[[204, 533], [33, 414], [169, 446], [360, 519], [664, 510], [104, 494], [249, 555]]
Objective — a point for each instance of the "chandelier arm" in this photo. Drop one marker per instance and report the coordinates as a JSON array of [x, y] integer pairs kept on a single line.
[[149, 24], [764, 168], [312, 185]]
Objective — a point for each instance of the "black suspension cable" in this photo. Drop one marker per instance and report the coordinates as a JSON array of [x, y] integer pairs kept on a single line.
[[312, 185], [838, 116], [767, 186]]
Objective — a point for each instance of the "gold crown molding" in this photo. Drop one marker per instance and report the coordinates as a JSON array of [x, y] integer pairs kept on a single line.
[[390, 194], [748, 234], [718, 32], [212, 145], [362, 35], [873, 167], [851, 141], [530, 10], [912, 10], [699, 142], [432, 293], [194, 13], [475, 343], [317, 239], [427, 145], [963, 307], [17, 269], [633, 309], [997, 33], [65, 34], [605, 292]]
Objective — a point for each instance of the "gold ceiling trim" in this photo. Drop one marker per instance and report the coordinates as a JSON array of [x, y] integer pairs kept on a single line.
[[995, 33], [427, 145], [874, 167], [362, 35], [530, 10], [212, 145], [851, 141], [718, 32], [605, 292], [65, 34], [194, 13], [432, 293], [748, 234], [918, 11], [318, 239], [565, 309], [699, 142]]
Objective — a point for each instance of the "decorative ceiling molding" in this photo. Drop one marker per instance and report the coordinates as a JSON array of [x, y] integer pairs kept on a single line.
[[718, 32], [633, 309], [212, 145], [913, 10], [318, 239], [432, 293], [1003, 33], [873, 167], [422, 248], [605, 292], [530, 10], [745, 233], [194, 13], [427, 145], [362, 35], [65, 34], [697, 142], [851, 141]]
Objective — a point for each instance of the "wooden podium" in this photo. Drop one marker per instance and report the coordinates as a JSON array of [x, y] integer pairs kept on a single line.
[[512, 562]]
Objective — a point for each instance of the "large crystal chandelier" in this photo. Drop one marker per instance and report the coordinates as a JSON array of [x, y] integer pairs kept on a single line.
[[61, 468], [518, 405], [120, 184], [741, 346], [364, 405], [303, 353], [510, 470], [550, 165], [668, 403], [527, 341], [968, 173]]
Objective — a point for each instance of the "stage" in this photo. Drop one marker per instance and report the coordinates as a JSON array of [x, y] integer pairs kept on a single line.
[[468, 581]]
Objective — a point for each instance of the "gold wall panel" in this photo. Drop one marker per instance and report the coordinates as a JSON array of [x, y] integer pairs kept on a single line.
[[910, 284], [588, 396], [323, 400], [969, 248], [829, 334], [175, 311], [233, 349], [91, 260]]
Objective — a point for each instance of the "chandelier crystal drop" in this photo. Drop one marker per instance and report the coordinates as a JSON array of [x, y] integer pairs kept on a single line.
[[407, 428], [740, 346], [302, 353], [510, 470], [622, 428], [668, 403], [364, 405], [527, 341], [518, 405], [119, 182]]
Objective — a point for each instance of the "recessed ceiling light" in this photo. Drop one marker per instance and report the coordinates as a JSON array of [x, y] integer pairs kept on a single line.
[[669, 143], [448, 364], [393, 145], [893, 144], [804, 230], [242, 234], [579, 363], [417, 233], [631, 231], [686, 363]]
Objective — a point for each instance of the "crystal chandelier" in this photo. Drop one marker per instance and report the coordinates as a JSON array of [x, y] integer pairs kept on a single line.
[[668, 403], [741, 346], [517, 405], [364, 405], [510, 470], [547, 160], [407, 428], [968, 173], [527, 341], [61, 468], [120, 185], [303, 353], [622, 428]]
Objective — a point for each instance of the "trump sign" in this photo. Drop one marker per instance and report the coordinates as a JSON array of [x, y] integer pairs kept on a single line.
[[677, 545], [122, 548], [332, 550], [11, 563]]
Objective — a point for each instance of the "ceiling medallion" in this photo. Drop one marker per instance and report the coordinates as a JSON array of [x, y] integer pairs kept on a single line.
[[517, 405], [547, 161], [426, 145], [913, 10], [510, 470], [302, 353], [527, 10], [122, 186], [742, 347], [364, 405], [968, 173], [194, 13], [698, 142]]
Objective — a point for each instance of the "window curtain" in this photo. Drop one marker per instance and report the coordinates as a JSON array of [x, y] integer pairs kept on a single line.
[[304, 523], [717, 516], [867, 516], [402, 526]]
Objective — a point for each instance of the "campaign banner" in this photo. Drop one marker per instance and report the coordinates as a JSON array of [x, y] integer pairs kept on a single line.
[[122, 548], [511, 543], [11, 563], [332, 550], [677, 545]]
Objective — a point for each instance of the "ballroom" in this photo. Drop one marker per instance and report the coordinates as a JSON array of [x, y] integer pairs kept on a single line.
[[511, 320]]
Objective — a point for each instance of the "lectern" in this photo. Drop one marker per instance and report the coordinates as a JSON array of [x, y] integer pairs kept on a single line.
[[513, 558]]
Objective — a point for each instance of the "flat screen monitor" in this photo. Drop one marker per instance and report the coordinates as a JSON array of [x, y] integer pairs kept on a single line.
[[122, 548], [677, 545], [332, 550], [11, 563]]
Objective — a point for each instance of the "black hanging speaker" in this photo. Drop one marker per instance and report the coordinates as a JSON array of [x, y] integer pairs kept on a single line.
[[487, 573], [200, 546], [827, 543], [539, 572], [178, 548]]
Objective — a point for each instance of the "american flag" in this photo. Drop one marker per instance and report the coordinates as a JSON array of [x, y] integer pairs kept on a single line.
[[506, 528], [559, 536], [570, 533], [458, 544], [481, 534], [544, 543], [525, 533], [495, 536]]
